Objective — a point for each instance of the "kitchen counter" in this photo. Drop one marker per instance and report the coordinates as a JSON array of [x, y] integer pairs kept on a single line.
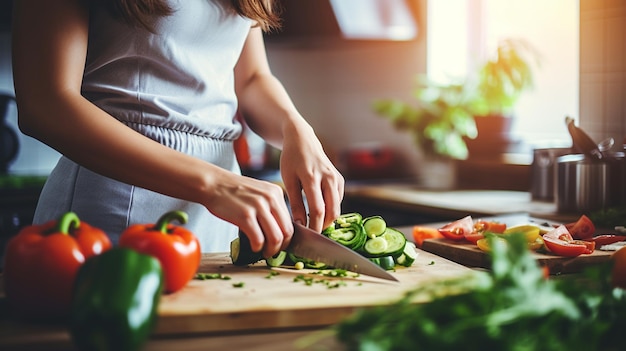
[[452, 204], [266, 314], [225, 327]]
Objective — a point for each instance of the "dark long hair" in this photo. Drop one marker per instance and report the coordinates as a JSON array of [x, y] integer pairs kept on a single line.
[[141, 12]]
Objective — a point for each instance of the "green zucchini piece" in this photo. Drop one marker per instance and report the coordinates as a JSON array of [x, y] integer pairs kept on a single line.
[[344, 234], [387, 263], [374, 226], [345, 220], [396, 241], [315, 265], [352, 237], [408, 256], [375, 260], [307, 263], [376, 246], [277, 260], [295, 259], [241, 253]]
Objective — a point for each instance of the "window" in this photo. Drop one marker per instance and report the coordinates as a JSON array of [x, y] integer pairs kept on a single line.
[[462, 33]]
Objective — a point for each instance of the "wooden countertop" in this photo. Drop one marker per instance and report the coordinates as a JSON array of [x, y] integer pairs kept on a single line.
[[276, 314], [455, 203]]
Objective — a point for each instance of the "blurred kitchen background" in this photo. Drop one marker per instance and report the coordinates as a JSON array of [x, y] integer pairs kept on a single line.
[[338, 57]]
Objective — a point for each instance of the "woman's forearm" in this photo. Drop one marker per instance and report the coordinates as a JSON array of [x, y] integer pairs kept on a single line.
[[89, 136]]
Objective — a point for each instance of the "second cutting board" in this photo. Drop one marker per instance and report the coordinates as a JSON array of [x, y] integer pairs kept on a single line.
[[469, 254]]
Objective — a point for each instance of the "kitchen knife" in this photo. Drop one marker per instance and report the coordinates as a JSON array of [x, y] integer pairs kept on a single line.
[[311, 245]]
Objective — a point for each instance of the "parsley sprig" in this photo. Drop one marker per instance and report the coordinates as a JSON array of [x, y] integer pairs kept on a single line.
[[511, 307]]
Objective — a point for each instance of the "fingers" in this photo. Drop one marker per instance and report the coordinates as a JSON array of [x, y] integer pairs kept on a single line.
[[323, 193], [296, 201], [269, 233], [325, 201], [333, 193], [258, 208]]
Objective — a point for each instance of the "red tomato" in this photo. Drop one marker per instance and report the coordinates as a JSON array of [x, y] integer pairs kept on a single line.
[[606, 239], [177, 249], [422, 233], [560, 242], [582, 229], [473, 237], [42, 261], [489, 226], [456, 230]]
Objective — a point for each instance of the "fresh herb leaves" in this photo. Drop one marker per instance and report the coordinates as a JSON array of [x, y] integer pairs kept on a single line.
[[512, 307]]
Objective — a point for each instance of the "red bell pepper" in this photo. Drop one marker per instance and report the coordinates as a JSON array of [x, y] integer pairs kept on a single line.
[[175, 247], [42, 261]]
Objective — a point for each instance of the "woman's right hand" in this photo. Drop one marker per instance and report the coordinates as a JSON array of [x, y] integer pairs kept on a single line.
[[257, 207]]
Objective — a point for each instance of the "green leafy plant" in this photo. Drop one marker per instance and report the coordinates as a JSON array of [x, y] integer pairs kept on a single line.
[[439, 120], [511, 307], [503, 78], [442, 117]]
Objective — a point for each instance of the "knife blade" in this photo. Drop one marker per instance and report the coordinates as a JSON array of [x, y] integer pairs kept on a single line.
[[307, 243]]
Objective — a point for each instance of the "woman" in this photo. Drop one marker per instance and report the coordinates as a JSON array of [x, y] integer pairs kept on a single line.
[[139, 96]]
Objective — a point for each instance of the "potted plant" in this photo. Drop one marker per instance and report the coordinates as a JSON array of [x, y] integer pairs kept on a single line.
[[439, 120], [499, 83]]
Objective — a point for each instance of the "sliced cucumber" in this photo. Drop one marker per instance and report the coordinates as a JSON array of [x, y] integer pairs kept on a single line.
[[295, 259], [387, 263], [277, 259], [376, 246], [241, 253], [375, 260], [408, 256], [306, 262], [315, 265], [395, 241], [374, 226]]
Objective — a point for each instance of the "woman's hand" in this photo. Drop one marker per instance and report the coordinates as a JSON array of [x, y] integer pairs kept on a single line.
[[257, 207], [270, 113], [306, 169]]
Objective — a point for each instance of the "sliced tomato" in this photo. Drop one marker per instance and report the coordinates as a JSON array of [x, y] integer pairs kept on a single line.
[[560, 242], [473, 237], [607, 239], [456, 230], [489, 226], [582, 229], [422, 233]]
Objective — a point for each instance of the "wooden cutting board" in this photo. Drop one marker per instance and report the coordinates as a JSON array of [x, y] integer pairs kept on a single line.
[[277, 301], [470, 255]]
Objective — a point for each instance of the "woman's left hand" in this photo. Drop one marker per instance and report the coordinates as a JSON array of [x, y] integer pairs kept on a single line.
[[307, 172]]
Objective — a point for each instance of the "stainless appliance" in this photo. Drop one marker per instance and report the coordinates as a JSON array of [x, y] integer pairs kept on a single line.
[[586, 184], [543, 171]]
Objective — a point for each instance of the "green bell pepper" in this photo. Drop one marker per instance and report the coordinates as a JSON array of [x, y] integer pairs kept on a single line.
[[116, 295]]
